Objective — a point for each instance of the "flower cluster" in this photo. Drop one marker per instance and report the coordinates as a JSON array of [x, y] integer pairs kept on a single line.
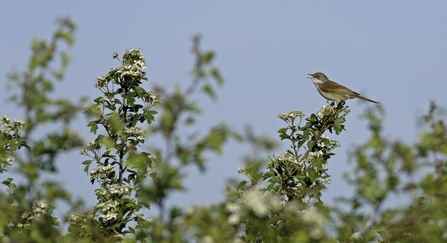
[[10, 139], [133, 71], [130, 72], [76, 222], [324, 180], [151, 97], [326, 110], [242, 170], [327, 143], [6, 126], [109, 209], [39, 208], [8, 159], [101, 81], [100, 172], [118, 190], [291, 115], [236, 212], [316, 222], [92, 146], [260, 204], [313, 155], [287, 158], [253, 201], [135, 132], [135, 58]]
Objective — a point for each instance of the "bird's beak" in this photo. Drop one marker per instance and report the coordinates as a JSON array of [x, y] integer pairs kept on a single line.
[[309, 75]]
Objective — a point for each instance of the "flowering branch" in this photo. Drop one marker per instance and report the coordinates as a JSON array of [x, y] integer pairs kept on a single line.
[[120, 167], [303, 176]]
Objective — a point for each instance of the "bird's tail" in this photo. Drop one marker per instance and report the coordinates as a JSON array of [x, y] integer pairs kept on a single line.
[[363, 98]]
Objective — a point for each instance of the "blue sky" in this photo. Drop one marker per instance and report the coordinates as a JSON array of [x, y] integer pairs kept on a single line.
[[394, 52]]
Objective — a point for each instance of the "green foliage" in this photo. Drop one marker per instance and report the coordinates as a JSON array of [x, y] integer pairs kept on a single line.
[[386, 169], [27, 206], [119, 166], [31, 91], [283, 204], [303, 176], [178, 111], [280, 201]]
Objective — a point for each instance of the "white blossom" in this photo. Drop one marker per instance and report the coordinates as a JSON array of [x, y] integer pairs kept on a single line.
[[236, 212], [5, 119], [207, 239], [327, 109], [316, 222], [261, 204], [312, 155], [287, 158], [241, 170], [108, 209], [324, 181], [101, 171], [291, 114]]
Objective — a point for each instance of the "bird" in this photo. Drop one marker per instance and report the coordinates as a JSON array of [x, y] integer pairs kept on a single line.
[[331, 90]]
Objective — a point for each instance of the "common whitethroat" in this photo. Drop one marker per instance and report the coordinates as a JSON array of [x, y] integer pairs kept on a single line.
[[331, 90]]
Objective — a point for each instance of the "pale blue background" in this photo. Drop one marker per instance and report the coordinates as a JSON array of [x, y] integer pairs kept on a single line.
[[391, 51]]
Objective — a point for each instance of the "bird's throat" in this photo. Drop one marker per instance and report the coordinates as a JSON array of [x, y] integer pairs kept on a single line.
[[317, 81]]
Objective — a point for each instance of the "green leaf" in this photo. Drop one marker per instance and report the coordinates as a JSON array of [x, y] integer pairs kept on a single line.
[[241, 185], [111, 175], [98, 99], [149, 118], [338, 127], [153, 112], [118, 101], [140, 91], [93, 126], [216, 75], [301, 142], [310, 144], [207, 89], [106, 153], [313, 119], [131, 99], [7, 181], [306, 134], [87, 165], [282, 130], [115, 123], [207, 57], [141, 162], [324, 140]]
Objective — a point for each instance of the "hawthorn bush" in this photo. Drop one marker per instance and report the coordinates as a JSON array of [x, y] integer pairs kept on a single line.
[[279, 201]]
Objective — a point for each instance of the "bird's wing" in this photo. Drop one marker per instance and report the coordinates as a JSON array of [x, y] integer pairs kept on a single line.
[[339, 89]]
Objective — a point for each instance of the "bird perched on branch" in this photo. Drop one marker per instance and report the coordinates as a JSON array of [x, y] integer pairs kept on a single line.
[[331, 90]]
